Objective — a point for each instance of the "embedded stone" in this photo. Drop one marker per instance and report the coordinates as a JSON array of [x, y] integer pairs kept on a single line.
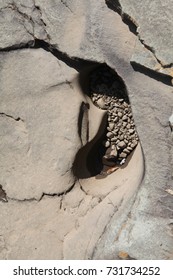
[[122, 144], [107, 144], [109, 134], [131, 131], [120, 114], [123, 155], [101, 103], [114, 152], [111, 125]]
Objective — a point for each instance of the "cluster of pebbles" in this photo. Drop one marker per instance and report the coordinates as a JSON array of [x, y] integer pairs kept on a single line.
[[108, 93]]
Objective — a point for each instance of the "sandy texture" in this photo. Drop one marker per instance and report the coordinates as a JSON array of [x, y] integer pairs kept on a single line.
[[51, 207]]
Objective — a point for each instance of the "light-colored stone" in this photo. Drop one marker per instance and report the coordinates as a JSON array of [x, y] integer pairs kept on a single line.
[[37, 147], [114, 152], [102, 217], [101, 103], [151, 32], [122, 144]]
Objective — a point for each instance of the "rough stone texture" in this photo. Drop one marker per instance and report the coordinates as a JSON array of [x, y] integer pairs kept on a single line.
[[38, 111], [153, 21], [40, 117]]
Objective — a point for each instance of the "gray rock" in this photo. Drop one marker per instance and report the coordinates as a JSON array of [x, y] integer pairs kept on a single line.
[[114, 152], [40, 106], [131, 131], [32, 158], [123, 155], [109, 135], [107, 144], [124, 118], [122, 144], [121, 137], [151, 31], [134, 143], [120, 114], [111, 125]]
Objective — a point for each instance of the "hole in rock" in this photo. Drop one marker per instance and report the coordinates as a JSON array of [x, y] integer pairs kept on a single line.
[[116, 137]]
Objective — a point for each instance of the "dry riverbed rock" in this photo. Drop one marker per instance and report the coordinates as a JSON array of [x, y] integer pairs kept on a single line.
[[58, 132]]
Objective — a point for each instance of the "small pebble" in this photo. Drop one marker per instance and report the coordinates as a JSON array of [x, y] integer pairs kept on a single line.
[[122, 144], [121, 137], [102, 104], [109, 134], [123, 155], [114, 152], [131, 131], [116, 119], [111, 125], [107, 144], [120, 114], [124, 118], [124, 124], [126, 151]]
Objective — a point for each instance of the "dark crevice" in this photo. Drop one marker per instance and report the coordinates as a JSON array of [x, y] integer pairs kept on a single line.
[[73, 62], [151, 50], [116, 7], [11, 117], [167, 65], [20, 46], [76, 63], [3, 196], [153, 53], [160, 77], [22, 200], [65, 4], [41, 20], [58, 194]]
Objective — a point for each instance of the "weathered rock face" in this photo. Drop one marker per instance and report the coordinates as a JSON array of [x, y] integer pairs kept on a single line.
[[50, 132], [153, 22], [39, 116]]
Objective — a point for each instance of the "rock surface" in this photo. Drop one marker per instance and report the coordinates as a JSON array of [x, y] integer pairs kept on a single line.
[[49, 127], [153, 22], [35, 124]]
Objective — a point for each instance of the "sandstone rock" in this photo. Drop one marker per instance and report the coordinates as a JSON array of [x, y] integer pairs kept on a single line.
[[35, 126], [40, 106], [160, 53]]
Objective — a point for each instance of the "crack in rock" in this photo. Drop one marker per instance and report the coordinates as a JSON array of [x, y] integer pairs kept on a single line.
[[58, 194], [65, 4], [11, 117], [162, 68], [37, 7], [14, 7], [3, 196], [35, 18]]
